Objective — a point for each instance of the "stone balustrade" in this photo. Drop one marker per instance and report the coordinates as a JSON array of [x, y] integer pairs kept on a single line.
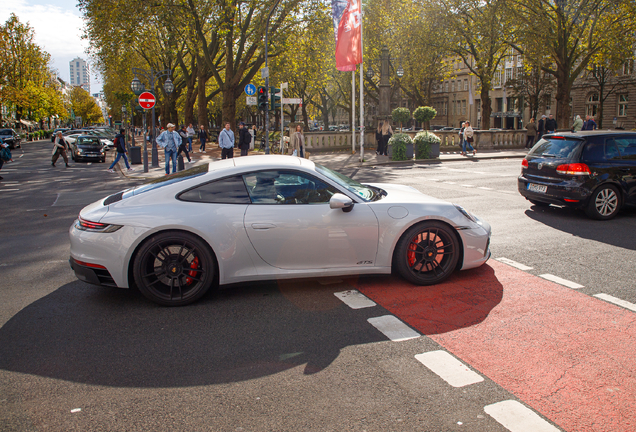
[[484, 140]]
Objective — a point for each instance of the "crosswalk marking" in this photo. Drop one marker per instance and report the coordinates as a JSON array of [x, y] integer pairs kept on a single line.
[[516, 417], [393, 328], [617, 301], [449, 368], [354, 299]]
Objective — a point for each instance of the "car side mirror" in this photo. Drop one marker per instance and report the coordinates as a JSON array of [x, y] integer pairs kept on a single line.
[[340, 201]]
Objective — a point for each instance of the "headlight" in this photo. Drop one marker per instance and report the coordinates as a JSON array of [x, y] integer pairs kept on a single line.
[[80, 151], [465, 212]]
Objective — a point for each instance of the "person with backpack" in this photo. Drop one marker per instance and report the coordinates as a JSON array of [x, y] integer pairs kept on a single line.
[[120, 146]]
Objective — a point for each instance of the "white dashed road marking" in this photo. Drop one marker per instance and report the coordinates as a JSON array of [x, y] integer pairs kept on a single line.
[[484, 188], [560, 281], [516, 417], [449, 368], [354, 299], [514, 264], [393, 328], [617, 301]]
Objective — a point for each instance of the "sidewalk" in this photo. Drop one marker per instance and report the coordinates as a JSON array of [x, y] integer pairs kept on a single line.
[[336, 161]]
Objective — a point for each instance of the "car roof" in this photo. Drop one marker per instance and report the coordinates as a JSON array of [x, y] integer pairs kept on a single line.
[[258, 162], [583, 134]]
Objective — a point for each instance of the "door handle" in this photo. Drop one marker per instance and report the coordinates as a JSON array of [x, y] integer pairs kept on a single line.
[[263, 226]]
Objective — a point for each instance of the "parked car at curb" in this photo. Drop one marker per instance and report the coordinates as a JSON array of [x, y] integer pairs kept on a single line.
[[10, 137], [268, 217], [594, 171], [87, 147]]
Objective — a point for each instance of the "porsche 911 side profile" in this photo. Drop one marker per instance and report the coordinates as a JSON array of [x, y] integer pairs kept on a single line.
[[268, 217]]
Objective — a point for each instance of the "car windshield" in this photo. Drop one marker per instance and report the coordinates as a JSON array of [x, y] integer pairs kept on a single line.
[[561, 148], [367, 193], [85, 141], [5, 131]]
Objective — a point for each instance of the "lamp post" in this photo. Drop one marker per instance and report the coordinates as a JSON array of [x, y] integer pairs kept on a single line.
[[384, 99], [138, 87]]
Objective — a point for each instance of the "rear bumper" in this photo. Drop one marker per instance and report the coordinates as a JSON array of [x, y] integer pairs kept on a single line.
[[566, 193], [91, 275]]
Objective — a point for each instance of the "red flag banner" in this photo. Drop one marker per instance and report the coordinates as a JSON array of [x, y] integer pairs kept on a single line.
[[347, 22]]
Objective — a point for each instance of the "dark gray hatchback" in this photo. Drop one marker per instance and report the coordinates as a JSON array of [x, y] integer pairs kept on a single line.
[[593, 170]]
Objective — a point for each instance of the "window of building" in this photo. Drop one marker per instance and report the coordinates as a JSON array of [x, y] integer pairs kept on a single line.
[[445, 108], [499, 103], [496, 80], [622, 105], [452, 86], [508, 74], [446, 86], [465, 85], [628, 67], [463, 107], [591, 105], [548, 102], [478, 104]]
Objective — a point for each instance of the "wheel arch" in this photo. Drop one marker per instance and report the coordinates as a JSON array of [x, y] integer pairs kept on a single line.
[[460, 261], [612, 182], [148, 235]]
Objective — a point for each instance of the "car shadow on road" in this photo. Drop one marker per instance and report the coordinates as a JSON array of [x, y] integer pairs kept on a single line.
[[111, 337], [620, 231]]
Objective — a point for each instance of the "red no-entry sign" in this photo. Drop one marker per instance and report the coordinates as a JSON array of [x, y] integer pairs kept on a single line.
[[147, 100]]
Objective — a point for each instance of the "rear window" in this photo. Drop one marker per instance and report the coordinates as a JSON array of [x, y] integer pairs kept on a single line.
[[556, 148]]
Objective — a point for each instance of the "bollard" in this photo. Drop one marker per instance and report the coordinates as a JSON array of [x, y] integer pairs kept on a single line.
[[180, 164]]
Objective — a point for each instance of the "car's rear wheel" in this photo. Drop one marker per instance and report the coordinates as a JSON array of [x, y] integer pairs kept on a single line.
[[174, 268], [427, 253], [604, 203]]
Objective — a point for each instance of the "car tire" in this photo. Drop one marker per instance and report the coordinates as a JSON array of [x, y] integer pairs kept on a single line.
[[539, 203], [174, 268], [427, 253], [604, 203]]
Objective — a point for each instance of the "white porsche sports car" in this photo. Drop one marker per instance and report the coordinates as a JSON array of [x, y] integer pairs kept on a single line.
[[268, 217]]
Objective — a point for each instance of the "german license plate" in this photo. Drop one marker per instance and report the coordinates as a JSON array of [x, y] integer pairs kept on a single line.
[[532, 187]]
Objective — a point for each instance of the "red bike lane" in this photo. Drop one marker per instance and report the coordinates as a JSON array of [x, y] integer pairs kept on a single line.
[[567, 355]]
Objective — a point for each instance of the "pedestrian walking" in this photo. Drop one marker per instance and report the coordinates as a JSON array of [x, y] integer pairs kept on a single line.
[[203, 136], [226, 142], [589, 124], [550, 124], [469, 137], [170, 141], [531, 133], [120, 145], [244, 139], [578, 124], [387, 133], [183, 133], [5, 155], [297, 144], [541, 127], [190, 131], [59, 149], [378, 138], [461, 137]]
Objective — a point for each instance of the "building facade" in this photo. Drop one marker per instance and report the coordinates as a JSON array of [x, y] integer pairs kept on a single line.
[[80, 74]]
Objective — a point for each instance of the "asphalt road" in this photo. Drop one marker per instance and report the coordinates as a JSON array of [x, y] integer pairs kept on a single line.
[[291, 356]]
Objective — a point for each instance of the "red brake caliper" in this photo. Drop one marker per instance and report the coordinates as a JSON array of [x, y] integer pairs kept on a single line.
[[410, 255], [193, 265]]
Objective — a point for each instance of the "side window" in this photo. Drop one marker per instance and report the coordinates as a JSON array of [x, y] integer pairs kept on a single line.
[[626, 147], [230, 190], [593, 152], [287, 187], [611, 151]]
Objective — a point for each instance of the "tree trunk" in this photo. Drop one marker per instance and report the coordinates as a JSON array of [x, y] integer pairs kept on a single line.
[[202, 106], [486, 109], [564, 87], [229, 107], [305, 116]]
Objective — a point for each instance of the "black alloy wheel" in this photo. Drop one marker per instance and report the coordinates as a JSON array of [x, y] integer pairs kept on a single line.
[[604, 203], [174, 268], [427, 253]]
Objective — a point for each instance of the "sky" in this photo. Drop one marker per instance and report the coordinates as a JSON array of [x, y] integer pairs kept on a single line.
[[57, 25]]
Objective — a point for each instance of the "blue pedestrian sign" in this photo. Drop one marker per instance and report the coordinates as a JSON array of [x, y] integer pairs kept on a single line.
[[250, 89]]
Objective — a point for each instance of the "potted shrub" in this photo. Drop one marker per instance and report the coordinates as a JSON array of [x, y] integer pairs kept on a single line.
[[424, 115], [426, 145], [401, 115], [400, 147]]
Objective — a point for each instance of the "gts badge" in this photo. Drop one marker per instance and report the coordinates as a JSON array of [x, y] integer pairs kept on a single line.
[[364, 262]]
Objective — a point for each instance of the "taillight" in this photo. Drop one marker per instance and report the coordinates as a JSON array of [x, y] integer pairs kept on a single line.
[[574, 169], [86, 225], [524, 163]]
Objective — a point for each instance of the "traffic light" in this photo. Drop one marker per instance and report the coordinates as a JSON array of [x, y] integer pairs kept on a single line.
[[274, 98], [262, 98]]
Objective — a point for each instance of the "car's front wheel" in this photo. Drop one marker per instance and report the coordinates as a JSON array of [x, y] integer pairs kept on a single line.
[[174, 268], [604, 203], [427, 253]]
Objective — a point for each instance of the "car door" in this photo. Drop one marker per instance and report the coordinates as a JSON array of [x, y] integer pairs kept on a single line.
[[291, 225], [625, 166]]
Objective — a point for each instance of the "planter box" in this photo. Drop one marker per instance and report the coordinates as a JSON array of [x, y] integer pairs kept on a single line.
[[409, 152]]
